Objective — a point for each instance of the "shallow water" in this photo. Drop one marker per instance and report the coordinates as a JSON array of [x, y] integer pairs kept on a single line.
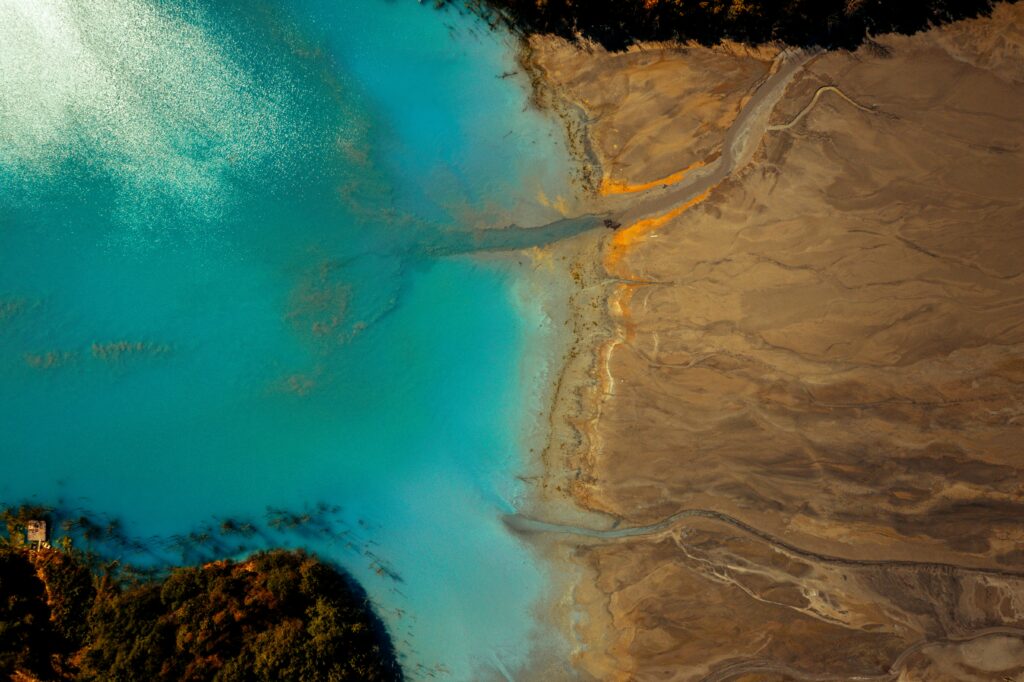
[[221, 290]]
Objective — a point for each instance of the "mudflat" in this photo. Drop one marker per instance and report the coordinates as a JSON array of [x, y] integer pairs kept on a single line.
[[805, 386]]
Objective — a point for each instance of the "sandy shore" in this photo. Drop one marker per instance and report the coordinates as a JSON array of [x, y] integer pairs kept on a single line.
[[807, 378]]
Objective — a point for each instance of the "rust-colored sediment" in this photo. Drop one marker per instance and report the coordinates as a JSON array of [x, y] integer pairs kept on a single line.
[[611, 187], [629, 236]]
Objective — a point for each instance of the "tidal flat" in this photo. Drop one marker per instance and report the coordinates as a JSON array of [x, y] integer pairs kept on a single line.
[[796, 415]]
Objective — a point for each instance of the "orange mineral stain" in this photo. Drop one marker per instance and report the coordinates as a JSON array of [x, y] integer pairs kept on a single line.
[[610, 186], [626, 237]]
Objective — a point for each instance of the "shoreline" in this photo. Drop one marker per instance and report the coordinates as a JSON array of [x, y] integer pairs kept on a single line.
[[549, 283], [572, 392], [565, 281]]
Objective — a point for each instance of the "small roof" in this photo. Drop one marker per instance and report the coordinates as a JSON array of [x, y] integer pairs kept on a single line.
[[36, 530]]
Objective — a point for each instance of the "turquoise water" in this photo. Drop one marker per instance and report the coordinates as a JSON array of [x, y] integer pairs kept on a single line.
[[221, 290]]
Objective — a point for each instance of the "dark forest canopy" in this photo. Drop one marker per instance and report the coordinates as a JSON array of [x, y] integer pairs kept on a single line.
[[616, 24], [275, 616]]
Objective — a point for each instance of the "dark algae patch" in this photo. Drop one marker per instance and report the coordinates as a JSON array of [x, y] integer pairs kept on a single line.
[[278, 615], [616, 24]]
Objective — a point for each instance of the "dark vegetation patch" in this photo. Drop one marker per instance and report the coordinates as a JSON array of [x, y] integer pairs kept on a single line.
[[616, 24], [278, 615]]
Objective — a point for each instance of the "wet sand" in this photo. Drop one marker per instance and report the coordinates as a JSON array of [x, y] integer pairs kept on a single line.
[[791, 422]]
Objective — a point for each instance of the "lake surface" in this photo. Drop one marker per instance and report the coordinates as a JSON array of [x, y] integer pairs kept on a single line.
[[220, 292]]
